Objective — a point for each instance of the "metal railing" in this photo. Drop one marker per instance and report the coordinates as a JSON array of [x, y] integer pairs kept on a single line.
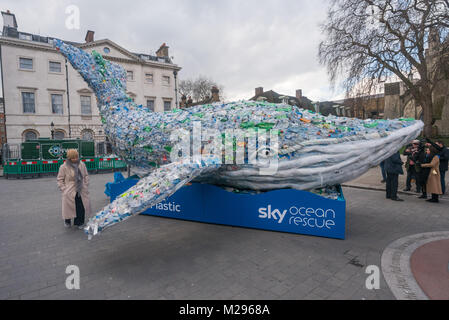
[[11, 151]]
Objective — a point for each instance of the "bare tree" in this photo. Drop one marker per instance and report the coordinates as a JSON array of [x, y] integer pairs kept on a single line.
[[185, 88], [198, 89], [370, 41]]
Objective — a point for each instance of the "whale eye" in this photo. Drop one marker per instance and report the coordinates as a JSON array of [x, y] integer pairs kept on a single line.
[[266, 152]]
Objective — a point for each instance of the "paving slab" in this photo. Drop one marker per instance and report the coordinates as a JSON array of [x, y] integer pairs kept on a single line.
[[155, 258]]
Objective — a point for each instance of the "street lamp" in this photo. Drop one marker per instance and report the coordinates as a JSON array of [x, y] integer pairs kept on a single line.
[[52, 125], [175, 73]]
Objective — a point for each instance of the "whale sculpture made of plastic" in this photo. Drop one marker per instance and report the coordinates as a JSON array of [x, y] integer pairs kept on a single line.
[[246, 145]]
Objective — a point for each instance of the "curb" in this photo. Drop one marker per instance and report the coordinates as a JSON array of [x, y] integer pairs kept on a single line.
[[367, 187]]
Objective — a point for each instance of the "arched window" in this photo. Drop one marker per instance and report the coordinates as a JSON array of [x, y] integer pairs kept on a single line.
[[29, 135], [87, 134], [59, 134]]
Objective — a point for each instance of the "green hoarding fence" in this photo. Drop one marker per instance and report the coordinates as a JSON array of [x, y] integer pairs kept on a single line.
[[11, 168], [105, 163], [119, 164], [37, 168], [30, 151], [91, 164], [50, 166], [32, 168], [45, 156]]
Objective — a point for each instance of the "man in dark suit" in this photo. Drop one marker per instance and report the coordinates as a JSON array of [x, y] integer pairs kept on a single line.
[[393, 168]]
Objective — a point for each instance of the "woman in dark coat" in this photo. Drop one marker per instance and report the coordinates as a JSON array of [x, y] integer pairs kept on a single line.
[[423, 173]]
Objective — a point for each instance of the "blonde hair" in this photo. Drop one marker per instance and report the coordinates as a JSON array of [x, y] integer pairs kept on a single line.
[[72, 154]]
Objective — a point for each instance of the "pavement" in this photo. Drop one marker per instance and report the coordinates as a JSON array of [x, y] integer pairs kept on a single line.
[[156, 258]]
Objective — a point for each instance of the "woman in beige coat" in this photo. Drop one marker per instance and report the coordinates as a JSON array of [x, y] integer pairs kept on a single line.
[[73, 181], [433, 185]]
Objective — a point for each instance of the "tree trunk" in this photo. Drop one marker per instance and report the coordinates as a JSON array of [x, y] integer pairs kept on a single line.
[[427, 107]]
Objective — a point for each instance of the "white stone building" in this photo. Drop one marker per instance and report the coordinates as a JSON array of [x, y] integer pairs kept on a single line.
[[37, 91]]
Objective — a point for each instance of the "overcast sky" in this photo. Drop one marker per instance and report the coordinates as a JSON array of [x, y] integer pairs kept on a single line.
[[240, 44]]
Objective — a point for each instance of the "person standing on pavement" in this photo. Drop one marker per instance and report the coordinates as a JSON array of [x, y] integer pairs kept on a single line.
[[73, 181], [433, 185], [393, 168], [443, 152], [444, 165], [411, 152], [423, 172]]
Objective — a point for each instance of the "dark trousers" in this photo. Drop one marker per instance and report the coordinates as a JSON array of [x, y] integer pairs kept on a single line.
[[422, 182], [392, 185], [411, 174], [79, 220], [443, 181]]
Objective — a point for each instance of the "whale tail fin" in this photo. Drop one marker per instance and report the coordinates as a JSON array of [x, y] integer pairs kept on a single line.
[[108, 80], [149, 191]]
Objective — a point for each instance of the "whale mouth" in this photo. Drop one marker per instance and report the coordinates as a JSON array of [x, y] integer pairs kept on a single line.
[[322, 163]]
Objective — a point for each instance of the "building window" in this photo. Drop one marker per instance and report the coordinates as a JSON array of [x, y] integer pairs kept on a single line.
[[167, 105], [87, 135], [56, 103], [150, 104], [30, 135], [59, 135], [54, 66], [28, 102], [25, 36], [86, 107], [166, 80], [130, 75], [148, 77], [26, 63], [106, 50]]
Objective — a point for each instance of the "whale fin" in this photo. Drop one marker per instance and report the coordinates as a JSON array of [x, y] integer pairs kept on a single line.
[[105, 78], [149, 191]]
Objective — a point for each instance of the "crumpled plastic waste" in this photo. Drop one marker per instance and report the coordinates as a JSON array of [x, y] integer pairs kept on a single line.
[[243, 145]]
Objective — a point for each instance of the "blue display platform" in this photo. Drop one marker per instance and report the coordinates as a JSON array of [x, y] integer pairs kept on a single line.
[[287, 210]]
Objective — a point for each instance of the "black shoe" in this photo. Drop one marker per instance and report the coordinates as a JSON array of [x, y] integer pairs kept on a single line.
[[407, 189], [397, 199], [432, 200], [422, 197]]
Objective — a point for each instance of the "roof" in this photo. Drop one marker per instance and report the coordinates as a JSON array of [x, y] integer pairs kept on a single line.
[[274, 97], [9, 32]]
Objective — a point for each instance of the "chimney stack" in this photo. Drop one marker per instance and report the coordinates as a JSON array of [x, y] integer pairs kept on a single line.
[[259, 91], [299, 94], [9, 19], [89, 36], [162, 52], [215, 94]]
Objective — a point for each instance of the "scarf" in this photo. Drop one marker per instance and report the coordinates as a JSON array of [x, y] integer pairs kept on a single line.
[[78, 175]]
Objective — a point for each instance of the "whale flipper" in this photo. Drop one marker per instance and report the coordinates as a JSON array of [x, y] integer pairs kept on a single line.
[[149, 191]]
